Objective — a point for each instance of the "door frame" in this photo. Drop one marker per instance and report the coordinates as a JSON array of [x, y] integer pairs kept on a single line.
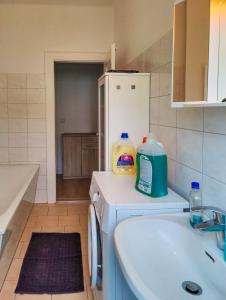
[[50, 59]]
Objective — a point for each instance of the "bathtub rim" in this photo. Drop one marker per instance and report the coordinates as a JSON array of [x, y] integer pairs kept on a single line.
[[7, 216]]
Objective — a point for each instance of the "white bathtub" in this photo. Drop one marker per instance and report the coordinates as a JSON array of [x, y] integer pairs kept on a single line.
[[17, 194]]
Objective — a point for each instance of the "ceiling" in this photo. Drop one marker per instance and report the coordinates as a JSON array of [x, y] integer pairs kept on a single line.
[[63, 2]]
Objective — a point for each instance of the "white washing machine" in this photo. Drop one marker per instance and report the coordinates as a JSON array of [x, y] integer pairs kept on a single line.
[[114, 199]]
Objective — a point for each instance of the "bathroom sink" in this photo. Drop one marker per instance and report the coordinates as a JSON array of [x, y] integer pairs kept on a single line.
[[163, 258]]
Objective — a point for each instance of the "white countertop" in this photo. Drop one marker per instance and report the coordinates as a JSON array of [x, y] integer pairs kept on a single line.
[[120, 191]]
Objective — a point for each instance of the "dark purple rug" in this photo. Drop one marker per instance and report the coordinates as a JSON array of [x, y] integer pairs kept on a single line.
[[52, 265]]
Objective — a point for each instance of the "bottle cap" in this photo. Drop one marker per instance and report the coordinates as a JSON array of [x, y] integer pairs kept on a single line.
[[145, 139], [124, 135], [195, 185]]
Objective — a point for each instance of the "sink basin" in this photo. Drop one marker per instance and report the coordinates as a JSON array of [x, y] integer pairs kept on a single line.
[[163, 258]]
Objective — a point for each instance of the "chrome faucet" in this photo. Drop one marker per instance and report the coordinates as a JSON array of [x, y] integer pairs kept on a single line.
[[215, 223]]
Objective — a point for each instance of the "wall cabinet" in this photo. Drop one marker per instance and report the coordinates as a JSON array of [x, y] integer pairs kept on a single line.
[[199, 53], [80, 155]]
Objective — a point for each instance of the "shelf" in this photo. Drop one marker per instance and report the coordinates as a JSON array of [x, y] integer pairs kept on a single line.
[[197, 104]]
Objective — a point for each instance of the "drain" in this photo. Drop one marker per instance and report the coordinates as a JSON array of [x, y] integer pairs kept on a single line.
[[192, 288]]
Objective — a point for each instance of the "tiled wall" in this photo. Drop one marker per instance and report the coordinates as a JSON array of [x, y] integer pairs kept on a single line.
[[23, 123], [194, 138]]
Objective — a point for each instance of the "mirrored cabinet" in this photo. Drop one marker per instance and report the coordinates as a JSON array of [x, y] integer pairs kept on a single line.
[[199, 53]]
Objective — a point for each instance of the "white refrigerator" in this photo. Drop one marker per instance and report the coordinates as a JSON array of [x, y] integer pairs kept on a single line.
[[123, 106]]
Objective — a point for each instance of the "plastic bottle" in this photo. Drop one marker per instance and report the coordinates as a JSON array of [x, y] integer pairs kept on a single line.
[[124, 156], [195, 199], [152, 171]]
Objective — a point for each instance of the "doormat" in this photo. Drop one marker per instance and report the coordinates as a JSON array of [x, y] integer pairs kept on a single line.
[[52, 265]]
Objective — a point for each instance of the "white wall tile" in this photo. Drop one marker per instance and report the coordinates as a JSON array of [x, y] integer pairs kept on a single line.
[[4, 125], [190, 118], [4, 155], [214, 156], [213, 193], [36, 140], [3, 110], [184, 177], [154, 85], [35, 95], [35, 81], [189, 148], [42, 168], [18, 111], [166, 45], [17, 154], [154, 111], [168, 137], [37, 125], [18, 140], [4, 140], [42, 182], [41, 196], [215, 120], [171, 173], [3, 95], [17, 80], [36, 111], [36, 154], [167, 115], [154, 130], [3, 80], [18, 125], [165, 80], [17, 96]]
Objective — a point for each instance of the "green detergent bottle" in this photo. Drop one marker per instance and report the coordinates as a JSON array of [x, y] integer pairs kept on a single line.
[[152, 169]]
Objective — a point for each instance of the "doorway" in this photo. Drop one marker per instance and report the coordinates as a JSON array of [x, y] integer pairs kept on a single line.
[[76, 127]]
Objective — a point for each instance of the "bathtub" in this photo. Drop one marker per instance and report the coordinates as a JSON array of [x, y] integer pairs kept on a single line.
[[17, 194]]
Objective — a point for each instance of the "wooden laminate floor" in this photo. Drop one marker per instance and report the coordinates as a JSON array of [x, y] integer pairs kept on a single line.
[[72, 189], [50, 218]]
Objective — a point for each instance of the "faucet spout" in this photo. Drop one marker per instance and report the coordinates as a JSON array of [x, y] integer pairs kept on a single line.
[[215, 224]]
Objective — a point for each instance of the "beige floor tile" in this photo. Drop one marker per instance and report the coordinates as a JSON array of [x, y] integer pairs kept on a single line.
[[68, 220], [32, 220], [7, 292], [75, 296], [23, 249], [26, 236], [85, 264], [39, 210], [14, 270], [18, 250], [48, 220], [57, 210], [33, 297], [77, 210], [52, 228], [75, 228], [84, 242]]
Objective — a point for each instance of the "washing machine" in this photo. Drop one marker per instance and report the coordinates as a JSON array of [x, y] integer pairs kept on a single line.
[[114, 199]]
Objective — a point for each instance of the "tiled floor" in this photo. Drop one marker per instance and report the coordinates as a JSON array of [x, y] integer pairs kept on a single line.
[[50, 218]]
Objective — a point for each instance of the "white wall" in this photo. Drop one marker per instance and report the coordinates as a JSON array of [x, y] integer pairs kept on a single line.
[[76, 91], [138, 24], [28, 30]]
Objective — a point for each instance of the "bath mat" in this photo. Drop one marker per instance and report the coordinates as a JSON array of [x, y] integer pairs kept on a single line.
[[52, 265]]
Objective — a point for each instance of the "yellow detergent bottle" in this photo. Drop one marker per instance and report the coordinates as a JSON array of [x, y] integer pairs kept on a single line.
[[123, 156]]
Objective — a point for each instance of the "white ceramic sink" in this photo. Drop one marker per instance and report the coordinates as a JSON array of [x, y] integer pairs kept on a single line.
[[158, 253]]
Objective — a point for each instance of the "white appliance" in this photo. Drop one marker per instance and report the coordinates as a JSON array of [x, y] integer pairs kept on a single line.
[[113, 199], [123, 101]]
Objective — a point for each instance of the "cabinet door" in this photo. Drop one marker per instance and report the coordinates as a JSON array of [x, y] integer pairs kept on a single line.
[[72, 156], [89, 161]]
